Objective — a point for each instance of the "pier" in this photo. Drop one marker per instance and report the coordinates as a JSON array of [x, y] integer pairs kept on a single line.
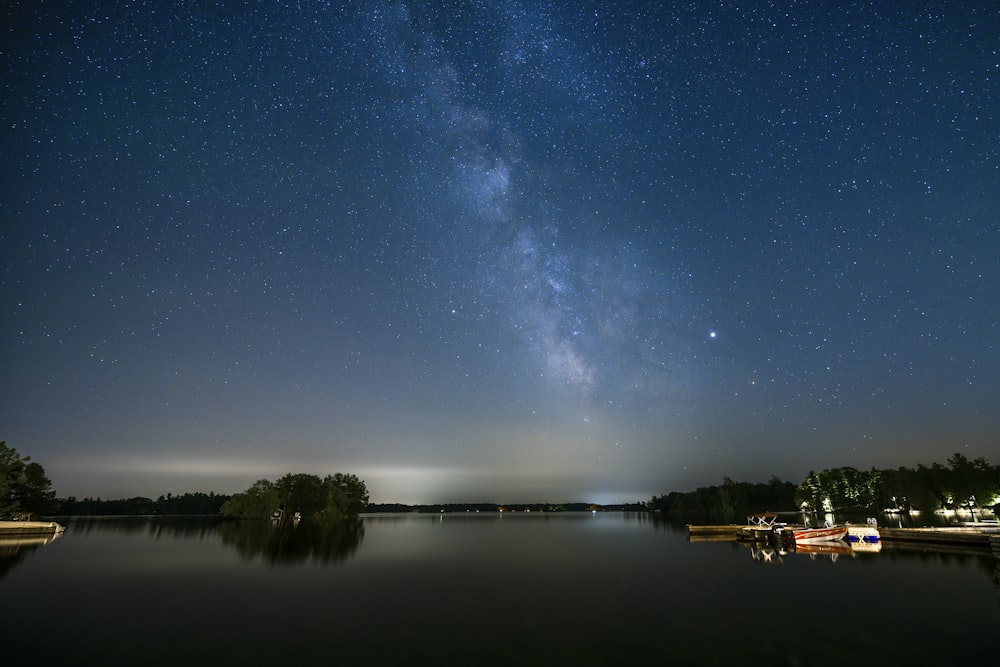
[[29, 528], [985, 537]]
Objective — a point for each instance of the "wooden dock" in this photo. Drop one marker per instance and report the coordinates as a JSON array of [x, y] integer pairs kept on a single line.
[[27, 528], [977, 537], [714, 531]]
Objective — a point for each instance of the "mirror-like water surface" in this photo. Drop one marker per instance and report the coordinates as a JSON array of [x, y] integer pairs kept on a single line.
[[554, 589]]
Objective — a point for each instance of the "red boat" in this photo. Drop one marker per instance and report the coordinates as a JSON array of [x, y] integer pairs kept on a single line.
[[828, 534]]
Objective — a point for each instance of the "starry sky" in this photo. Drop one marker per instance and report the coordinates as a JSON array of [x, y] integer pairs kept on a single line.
[[497, 251]]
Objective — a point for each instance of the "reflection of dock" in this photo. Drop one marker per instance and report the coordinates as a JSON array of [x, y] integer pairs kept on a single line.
[[711, 537], [15, 543], [958, 536], [720, 532], [18, 535]]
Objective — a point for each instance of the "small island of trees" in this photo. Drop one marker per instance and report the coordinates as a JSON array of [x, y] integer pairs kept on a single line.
[[308, 496]]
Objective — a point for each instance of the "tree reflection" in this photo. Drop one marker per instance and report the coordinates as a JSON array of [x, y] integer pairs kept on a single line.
[[288, 543]]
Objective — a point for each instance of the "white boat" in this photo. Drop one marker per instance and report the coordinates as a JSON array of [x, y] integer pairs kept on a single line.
[[868, 533]]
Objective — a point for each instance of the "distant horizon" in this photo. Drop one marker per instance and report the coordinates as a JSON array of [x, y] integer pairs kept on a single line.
[[602, 498]]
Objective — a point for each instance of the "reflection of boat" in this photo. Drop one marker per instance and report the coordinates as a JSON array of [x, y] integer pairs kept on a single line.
[[831, 549], [827, 534], [866, 547], [767, 555]]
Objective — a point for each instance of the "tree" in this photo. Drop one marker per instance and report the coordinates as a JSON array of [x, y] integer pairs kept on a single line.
[[257, 502], [24, 487], [301, 493], [969, 482], [810, 493], [346, 494], [10, 470]]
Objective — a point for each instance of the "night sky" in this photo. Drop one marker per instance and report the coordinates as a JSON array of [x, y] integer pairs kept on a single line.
[[497, 251]]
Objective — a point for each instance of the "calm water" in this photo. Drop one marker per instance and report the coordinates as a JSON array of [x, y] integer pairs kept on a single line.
[[552, 589]]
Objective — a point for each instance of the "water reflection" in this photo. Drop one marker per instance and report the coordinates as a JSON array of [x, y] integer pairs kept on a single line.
[[274, 543], [167, 527], [948, 555], [293, 542], [573, 589], [774, 552], [13, 550]]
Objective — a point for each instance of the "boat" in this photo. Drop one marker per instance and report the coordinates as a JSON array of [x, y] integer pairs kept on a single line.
[[868, 534], [826, 534]]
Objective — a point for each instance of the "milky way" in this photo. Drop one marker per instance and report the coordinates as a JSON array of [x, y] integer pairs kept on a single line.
[[497, 250]]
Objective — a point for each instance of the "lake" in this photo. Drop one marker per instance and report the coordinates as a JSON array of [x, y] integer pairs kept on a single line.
[[481, 589]]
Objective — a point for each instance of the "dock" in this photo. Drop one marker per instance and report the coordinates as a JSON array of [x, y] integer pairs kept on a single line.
[[985, 537], [714, 531], [29, 528]]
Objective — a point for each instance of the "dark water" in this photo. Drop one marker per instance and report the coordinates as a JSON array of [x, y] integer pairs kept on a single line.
[[552, 589]]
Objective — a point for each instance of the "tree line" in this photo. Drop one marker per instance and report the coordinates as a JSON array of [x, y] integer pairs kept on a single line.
[[25, 490], [184, 504], [963, 483], [728, 501]]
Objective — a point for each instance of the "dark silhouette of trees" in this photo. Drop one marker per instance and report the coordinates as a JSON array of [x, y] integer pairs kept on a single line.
[[840, 488], [969, 483], [24, 487], [333, 496], [347, 493], [302, 493], [730, 501], [186, 504], [257, 502], [962, 484]]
